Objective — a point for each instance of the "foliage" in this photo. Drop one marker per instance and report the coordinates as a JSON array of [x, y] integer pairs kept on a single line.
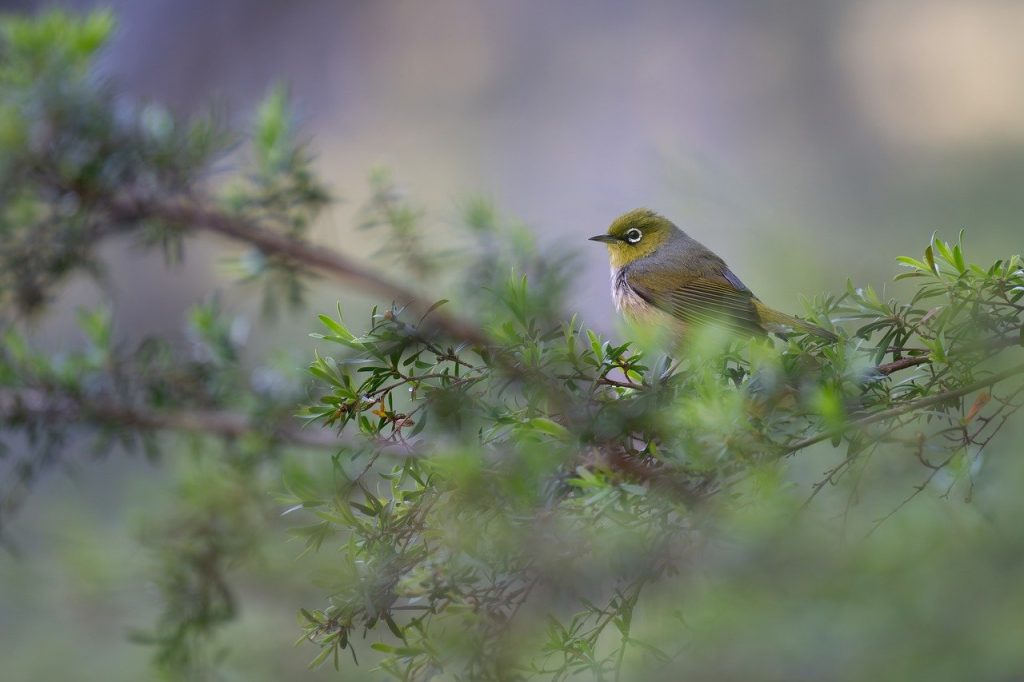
[[508, 494], [558, 459]]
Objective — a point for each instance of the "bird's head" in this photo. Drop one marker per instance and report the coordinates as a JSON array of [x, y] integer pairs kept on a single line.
[[636, 234]]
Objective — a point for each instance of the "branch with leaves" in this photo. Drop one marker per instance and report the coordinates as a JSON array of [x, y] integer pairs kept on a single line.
[[505, 474], [595, 448]]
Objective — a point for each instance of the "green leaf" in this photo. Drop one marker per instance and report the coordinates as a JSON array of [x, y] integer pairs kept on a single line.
[[393, 626], [337, 327], [958, 258], [272, 134], [433, 307], [913, 263], [550, 427], [321, 657], [405, 651], [930, 258], [944, 251]]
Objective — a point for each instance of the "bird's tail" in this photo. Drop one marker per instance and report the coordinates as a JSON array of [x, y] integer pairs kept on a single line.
[[781, 323]]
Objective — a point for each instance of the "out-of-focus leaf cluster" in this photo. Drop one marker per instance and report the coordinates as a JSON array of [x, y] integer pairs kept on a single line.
[[129, 397], [219, 523], [233, 423], [503, 488], [280, 191], [77, 159]]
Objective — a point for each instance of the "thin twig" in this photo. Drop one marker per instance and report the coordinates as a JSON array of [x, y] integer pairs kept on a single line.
[[918, 489]]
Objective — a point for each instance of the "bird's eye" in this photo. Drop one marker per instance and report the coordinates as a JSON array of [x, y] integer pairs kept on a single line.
[[634, 235]]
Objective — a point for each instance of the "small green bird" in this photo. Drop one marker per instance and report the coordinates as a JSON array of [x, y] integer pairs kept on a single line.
[[658, 270]]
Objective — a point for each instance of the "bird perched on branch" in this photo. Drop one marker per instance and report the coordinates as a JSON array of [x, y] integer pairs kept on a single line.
[[660, 274]]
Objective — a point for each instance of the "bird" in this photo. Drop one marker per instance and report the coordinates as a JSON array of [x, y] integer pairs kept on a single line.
[[661, 275]]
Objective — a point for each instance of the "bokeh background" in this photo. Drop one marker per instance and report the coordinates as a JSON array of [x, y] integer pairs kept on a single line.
[[805, 142]]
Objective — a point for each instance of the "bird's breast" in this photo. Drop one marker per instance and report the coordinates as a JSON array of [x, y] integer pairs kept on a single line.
[[627, 300]]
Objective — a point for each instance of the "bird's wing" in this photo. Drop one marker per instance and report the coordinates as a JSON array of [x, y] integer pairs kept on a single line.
[[713, 298]]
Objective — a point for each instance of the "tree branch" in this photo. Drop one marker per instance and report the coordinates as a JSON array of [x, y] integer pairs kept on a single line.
[[24, 403], [903, 363], [912, 406], [189, 214], [997, 343]]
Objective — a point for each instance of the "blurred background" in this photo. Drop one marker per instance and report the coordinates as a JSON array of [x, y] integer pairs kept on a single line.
[[804, 142]]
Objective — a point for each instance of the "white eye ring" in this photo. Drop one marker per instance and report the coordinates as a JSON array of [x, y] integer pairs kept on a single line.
[[634, 235]]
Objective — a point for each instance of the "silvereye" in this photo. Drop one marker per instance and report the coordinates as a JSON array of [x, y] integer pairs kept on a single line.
[[659, 273]]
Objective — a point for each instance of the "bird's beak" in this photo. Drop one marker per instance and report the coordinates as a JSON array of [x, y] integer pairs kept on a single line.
[[606, 238]]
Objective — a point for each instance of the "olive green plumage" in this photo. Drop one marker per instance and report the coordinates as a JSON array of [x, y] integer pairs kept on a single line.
[[658, 269]]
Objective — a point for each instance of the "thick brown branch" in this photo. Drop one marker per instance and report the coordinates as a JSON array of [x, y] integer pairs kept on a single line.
[[912, 406], [34, 403], [192, 215]]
